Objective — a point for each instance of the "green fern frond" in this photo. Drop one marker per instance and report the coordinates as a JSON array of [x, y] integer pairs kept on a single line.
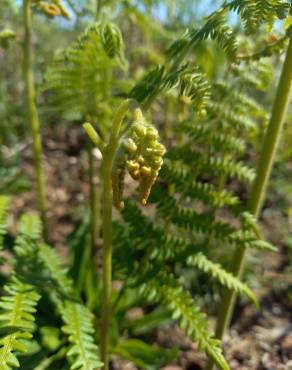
[[189, 81], [243, 101], [189, 219], [167, 290], [56, 271], [215, 28], [212, 165], [228, 114], [18, 307], [29, 232], [201, 133], [78, 326], [217, 272], [77, 78], [4, 206], [153, 240], [205, 192], [254, 13], [254, 74], [83, 352]]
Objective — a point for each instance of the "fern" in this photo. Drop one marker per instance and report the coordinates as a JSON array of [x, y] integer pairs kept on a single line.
[[79, 328], [78, 78], [17, 311], [195, 189], [213, 165], [255, 13], [83, 352], [224, 277], [216, 28], [189, 81], [187, 222], [18, 306], [166, 289]]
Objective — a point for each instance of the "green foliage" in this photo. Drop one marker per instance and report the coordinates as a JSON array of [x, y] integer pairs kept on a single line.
[[189, 81], [81, 74], [217, 272], [18, 306], [78, 326], [166, 289], [197, 213], [17, 310], [255, 13], [37, 272], [80, 331], [189, 219]]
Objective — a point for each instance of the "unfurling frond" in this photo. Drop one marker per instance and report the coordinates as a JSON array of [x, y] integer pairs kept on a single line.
[[79, 74]]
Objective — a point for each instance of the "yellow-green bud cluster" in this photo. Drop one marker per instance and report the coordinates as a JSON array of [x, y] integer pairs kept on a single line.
[[141, 154], [52, 8]]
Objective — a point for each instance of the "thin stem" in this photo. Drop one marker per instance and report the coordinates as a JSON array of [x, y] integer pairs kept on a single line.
[[94, 201], [33, 115], [98, 9], [271, 141], [107, 199]]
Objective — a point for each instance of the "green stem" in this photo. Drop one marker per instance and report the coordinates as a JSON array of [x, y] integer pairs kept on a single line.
[[266, 160], [98, 9], [33, 115], [107, 199], [94, 201]]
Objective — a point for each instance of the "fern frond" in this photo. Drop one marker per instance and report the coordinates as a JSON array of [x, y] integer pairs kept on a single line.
[[217, 272], [166, 289], [189, 81], [255, 13], [78, 326], [56, 271], [29, 231], [243, 102], [189, 219], [17, 310], [201, 133], [205, 192], [83, 352], [254, 74], [153, 240], [213, 165], [76, 79], [228, 114], [215, 28], [4, 206]]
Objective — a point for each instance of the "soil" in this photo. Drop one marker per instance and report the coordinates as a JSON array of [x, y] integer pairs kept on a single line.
[[260, 339]]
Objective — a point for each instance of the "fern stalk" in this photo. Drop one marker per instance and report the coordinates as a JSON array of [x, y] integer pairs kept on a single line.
[[33, 114], [107, 199], [93, 200], [258, 191]]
